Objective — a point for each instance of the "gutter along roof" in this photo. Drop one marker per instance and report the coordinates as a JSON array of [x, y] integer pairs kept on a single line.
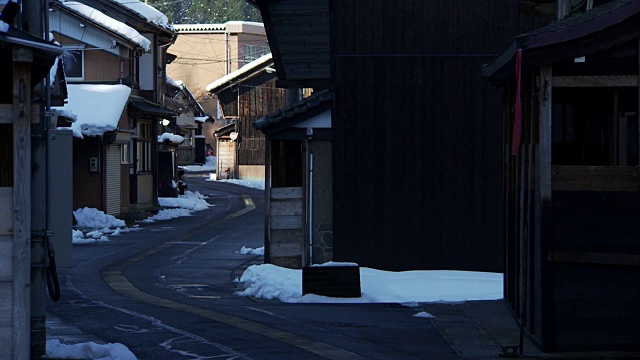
[[583, 34]]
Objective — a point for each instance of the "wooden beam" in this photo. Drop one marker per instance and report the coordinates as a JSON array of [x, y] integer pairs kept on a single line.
[[21, 202], [6, 114], [595, 81], [546, 114], [595, 178], [594, 258], [543, 168]]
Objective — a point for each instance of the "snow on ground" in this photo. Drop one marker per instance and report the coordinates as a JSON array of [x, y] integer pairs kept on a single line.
[[98, 226], [248, 183], [190, 200], [272, 282], [89, 350], [209, 165], [250, 251]]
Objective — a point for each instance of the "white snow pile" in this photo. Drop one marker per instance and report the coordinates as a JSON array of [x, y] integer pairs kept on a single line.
[[89, 350], [94, 218], [119, 27], [190, 200], [272, 282], [248, 183], [210, 165], [424, 314], [84, 99], [172, 138], [167, 214], [147, 12], [250, 251], [100, 225]]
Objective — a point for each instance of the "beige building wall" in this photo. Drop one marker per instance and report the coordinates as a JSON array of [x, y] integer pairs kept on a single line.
[[206, 52]]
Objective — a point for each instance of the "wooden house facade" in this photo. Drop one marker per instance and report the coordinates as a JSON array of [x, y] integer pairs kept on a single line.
[[145, 109], [572, 188], [246, 95], [298, 182], [95, 56]]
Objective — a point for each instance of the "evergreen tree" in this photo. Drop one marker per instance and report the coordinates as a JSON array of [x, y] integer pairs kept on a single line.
[[206, 11]]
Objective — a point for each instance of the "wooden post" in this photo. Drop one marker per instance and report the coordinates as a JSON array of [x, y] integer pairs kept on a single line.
[[22, 59], [544, 184], [267, 195]]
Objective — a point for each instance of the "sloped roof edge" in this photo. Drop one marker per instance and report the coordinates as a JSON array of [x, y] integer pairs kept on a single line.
[[316, 100]]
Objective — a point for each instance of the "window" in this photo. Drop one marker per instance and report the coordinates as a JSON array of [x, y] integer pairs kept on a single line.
[[73, 60], [252, 52], [595, 127], [143, 147], [124, 154]]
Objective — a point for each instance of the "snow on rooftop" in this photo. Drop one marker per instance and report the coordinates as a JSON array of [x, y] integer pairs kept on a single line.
[[146, 11], [97, 107], [110, 23], [245, 69]]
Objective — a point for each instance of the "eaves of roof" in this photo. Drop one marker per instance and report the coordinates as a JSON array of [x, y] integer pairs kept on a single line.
[[246, 72], [72, 12], [294, 113], [149, 108], [583, 32], [225, 130]]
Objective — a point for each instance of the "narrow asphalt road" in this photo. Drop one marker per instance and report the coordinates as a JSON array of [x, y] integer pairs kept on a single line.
[[167, 292]]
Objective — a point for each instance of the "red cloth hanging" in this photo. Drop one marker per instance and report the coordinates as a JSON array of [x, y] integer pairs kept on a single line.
[[517, 124]]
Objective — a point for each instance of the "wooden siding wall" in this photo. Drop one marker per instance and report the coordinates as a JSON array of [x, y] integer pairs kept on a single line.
[[301, 37], [258, 97], [98, 65], [418, 133], [285, 224], [569, 279]]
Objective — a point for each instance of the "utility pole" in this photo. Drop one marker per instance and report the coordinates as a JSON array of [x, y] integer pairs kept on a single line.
[[35, 16]]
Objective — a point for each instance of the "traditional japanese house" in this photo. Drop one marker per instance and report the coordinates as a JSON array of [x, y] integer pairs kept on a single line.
[[417, 144], [145, 109], [99, 53], [246, 95], [572, 188], [298, 182]]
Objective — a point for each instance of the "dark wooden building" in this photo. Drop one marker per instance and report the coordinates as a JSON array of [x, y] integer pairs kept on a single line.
[[572, 189], [417, 133], [246, 95], [417, 136]]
